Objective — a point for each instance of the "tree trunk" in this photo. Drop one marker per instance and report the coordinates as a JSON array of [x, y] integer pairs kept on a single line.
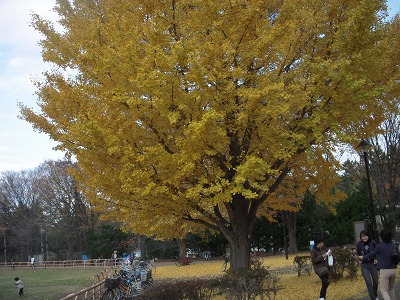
[[291, 221], [182, 248], [142, 244], [242, 217], [78, 240], [240, 254]]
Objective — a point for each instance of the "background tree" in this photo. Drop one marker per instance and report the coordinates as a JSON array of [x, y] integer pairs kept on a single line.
[[385, 168], [314, 219], [21, 212], [199, 111], [267, 235], [42, 211], [357, 207], [106, 238], [384, 164], [66, 214]]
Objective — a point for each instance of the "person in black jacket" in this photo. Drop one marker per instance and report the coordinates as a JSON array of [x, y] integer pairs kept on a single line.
[[368, 267], [386, 267], [319, 257]]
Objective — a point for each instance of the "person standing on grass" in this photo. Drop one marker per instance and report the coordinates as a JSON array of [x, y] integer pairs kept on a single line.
[[319, 257], [20, 285], [33, 262], [114, 256], [386, 267], [369, 268]]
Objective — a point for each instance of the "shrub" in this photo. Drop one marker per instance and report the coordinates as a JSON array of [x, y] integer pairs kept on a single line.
[[195, 289], [302, 264], [248, 284], [345, 261]]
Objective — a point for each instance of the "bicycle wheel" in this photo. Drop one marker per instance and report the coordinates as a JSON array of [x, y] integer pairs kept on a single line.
[[107, 295], [178, 263], [148, 285], [133, 293]]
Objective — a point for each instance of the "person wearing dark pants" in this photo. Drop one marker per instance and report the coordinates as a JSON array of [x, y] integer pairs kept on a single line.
[[386, 266], [319, 257], [369, 268], [324, 287]]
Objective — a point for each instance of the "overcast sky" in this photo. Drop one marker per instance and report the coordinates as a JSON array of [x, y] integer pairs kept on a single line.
[[20, 61]]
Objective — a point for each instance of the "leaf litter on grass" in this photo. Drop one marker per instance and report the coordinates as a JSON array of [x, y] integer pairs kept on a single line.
[[294, 288]]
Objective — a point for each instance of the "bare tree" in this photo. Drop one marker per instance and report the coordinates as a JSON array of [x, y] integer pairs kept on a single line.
[[42, 210], [385, 167], [20, 209], [65, 209]]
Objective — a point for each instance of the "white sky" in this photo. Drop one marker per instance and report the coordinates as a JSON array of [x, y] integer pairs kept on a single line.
[[20, 60]]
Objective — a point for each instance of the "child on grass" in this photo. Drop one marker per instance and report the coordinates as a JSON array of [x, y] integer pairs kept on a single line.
[[20, 286]]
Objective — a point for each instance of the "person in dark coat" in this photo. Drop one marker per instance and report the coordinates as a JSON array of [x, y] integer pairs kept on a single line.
[[319, 257], [369, 268], [386, 267]]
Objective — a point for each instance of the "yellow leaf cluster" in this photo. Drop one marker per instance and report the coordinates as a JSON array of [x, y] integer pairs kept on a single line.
[[202, 110]]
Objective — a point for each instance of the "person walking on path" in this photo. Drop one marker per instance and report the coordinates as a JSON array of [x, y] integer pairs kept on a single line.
[[33, 262], [369, 268], [319, 260], [386, 267], [20, 285]]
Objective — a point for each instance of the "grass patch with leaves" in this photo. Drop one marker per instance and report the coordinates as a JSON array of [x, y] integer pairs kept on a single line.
[[49, 284], [293, 286]]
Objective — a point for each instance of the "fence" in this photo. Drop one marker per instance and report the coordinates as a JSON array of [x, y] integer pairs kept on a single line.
[[95, 291], [66, 263]]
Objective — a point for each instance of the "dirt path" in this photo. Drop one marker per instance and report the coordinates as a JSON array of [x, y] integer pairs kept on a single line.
[[396, 288]]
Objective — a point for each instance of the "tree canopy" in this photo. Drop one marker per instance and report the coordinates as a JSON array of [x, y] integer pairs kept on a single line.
[[212, 112]]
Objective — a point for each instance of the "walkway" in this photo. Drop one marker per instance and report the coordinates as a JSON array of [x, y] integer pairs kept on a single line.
[[397, 289]]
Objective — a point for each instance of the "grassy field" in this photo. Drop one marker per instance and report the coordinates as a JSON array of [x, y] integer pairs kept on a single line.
[[40, 284], [55, 284]]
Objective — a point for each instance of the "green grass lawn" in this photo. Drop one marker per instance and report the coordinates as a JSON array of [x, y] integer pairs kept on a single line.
[[49, 284]]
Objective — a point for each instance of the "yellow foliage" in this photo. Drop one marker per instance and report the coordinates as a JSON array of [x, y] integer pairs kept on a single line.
[[212, 111]]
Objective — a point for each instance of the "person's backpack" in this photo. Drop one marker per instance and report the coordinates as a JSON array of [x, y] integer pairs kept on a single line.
[[395, 255]]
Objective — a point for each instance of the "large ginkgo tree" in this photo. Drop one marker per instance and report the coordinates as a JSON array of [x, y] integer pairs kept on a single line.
[[183, 114]]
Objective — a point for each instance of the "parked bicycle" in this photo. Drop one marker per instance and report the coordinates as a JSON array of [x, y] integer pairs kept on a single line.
[[206, 255], [130, 282], [120, 288], [184, 261], [146, 264]]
